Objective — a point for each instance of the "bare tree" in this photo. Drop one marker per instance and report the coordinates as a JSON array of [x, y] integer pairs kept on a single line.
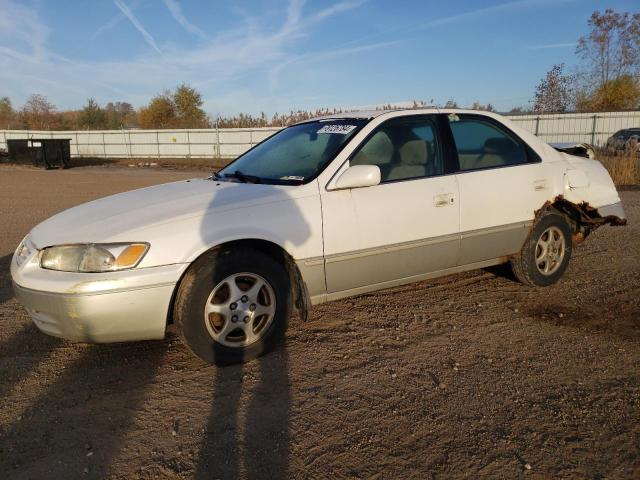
[[120, 115], [38, 113], [478, 106], [554, 92], [613, 44]]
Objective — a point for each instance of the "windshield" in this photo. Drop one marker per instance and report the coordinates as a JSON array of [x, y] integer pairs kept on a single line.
[[293, 155], [627, 134]]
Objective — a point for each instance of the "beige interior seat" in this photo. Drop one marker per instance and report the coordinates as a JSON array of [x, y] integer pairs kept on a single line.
[[414, 157], [495, 150], [377, 151]]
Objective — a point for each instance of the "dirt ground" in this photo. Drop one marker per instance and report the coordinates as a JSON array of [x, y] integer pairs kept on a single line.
[[472, 375]]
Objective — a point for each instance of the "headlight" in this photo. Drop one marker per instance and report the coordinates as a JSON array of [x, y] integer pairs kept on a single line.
[[93, 257]]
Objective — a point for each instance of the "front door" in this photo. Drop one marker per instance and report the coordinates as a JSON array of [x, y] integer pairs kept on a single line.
[[401, 229]]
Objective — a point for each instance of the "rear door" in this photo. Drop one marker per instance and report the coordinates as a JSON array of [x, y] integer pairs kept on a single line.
[[502, 182]]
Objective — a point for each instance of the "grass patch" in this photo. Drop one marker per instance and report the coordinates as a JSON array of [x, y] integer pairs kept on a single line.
[[624, 168]]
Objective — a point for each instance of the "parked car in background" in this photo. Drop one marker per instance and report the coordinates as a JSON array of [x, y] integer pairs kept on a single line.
[[321, 210], [627, 140]]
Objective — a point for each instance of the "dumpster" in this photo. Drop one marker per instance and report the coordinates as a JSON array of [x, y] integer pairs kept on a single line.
[[47, 152], [18, 150]]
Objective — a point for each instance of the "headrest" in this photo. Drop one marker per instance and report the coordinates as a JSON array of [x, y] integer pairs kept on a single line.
[[377, 151], [499, 145], [414, 152]]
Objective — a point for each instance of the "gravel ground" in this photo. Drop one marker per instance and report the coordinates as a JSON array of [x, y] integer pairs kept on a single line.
[[471, 375]]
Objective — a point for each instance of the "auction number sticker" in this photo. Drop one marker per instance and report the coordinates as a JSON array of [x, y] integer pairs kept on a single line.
[[339, 129]]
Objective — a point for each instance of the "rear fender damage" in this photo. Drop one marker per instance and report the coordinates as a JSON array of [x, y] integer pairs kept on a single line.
[[583, 217]]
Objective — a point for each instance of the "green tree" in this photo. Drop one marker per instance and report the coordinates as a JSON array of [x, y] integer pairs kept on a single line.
[[188, 108], [160, 113], [120, 115], [7, 115], [92, 117], [621, 93]]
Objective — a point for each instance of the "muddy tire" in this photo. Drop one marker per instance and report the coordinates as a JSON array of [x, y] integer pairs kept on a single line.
[[546, 253], [233, 305]]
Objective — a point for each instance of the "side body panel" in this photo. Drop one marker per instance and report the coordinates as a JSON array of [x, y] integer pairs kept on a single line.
[[390, 231], [497, 208]]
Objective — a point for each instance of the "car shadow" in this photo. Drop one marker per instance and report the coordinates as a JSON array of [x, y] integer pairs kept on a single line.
[[83, 416], [24, 350], [503, 271], [6, 291], [247, 432], [260, 449]]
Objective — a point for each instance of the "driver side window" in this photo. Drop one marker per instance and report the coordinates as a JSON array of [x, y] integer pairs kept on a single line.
[[403, 148]]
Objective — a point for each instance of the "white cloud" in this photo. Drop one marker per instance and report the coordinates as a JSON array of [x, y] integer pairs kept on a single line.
[[115, 20], [20, 26], [319, 57], [552, 45], [493, 9], [136, 23], [219, 64], [178, 16]]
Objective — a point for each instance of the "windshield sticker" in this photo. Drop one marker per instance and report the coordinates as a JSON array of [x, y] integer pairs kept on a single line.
[[453, 118], [292, 177], [339, 129]]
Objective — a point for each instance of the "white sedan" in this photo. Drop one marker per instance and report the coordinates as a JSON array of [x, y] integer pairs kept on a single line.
[[322, 210]]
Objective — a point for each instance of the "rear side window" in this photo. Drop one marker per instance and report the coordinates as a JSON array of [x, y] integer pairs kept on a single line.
[[482, 144], [403, 148]]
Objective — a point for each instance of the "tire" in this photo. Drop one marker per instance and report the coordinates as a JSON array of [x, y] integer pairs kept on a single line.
[[530, 264], [221, 334]]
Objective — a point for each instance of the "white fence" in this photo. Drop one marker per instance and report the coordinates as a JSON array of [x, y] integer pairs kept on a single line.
[[592, 128], [206, 143]]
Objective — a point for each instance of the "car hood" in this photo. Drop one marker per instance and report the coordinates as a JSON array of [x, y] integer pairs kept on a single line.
[[130, 213]]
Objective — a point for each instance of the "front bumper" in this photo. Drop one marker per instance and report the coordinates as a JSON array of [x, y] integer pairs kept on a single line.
[[119, 316], [97, 307]]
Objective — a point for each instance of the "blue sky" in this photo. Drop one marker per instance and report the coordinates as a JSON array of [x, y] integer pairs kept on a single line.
[[266, 55]]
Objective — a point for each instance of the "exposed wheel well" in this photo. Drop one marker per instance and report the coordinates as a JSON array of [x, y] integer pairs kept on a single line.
[[275, 251], [582, 217]]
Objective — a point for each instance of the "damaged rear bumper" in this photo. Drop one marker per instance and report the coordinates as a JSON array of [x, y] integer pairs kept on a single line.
[[614, 210]]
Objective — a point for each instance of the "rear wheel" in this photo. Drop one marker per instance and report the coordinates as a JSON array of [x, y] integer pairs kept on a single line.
[[233, 306], [546, 253]]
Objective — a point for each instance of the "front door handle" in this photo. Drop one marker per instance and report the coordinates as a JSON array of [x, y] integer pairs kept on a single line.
[[443, 200]]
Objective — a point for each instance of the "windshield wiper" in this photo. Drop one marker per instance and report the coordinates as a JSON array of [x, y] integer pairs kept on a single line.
[[216, 176], [244, 177]]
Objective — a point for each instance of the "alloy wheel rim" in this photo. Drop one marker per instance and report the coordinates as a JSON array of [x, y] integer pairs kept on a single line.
[[550, 251], [240, 309]]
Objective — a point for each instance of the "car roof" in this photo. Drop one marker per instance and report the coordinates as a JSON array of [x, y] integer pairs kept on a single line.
[[360, 114], [398, 112]]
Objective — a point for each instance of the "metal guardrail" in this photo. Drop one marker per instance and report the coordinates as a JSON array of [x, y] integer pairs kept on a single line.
[[592, 128]]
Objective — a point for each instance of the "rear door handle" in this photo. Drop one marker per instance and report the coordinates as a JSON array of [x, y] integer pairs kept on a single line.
[[539, 185], [443, 200]]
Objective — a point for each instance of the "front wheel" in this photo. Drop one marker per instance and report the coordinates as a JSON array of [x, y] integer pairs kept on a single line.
[[233, 306], [546, 253]]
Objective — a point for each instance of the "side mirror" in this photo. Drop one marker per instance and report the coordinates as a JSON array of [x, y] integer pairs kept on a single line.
[[358, 176]]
